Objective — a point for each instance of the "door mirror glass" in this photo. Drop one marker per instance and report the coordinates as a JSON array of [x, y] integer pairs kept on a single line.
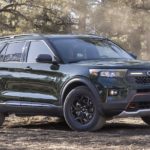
[[44, 58]]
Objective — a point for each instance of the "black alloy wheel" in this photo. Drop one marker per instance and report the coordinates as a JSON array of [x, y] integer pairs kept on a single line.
[[81, 112]]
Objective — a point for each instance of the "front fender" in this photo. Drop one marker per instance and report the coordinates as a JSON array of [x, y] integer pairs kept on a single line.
[[83, 81]]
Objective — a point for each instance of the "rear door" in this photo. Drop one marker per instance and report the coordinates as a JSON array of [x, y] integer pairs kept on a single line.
[[10, 65]]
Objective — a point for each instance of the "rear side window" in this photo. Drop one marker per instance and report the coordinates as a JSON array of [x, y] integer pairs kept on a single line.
[[14, 52], [37, 48], [2, 51], [3, 54], [2, 46]]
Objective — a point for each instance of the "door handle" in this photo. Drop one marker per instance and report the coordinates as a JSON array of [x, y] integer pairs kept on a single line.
[[28, 68]]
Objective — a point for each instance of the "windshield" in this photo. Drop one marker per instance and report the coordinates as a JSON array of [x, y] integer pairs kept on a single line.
[[81, 49]]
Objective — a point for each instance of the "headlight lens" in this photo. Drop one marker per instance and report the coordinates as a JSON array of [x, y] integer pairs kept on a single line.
[[110, 73]]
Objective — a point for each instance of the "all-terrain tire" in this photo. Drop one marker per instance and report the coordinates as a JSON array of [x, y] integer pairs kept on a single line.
[[81, 112]]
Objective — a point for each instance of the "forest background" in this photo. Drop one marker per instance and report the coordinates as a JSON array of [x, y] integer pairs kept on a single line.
[[126, 22]]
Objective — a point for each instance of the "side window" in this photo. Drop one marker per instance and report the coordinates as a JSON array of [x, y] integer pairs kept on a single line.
[[14, 52], [2, 46], [2, 54], [36, 48], [2, 51]]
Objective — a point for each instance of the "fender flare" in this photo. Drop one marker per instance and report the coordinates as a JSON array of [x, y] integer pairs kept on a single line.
[[91, 87]]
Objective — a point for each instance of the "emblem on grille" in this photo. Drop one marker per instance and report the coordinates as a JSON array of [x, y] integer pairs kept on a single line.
[[148, 73]]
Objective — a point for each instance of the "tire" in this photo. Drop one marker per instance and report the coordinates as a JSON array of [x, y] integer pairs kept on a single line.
[[2, 119], [81, 112], [146, 119]]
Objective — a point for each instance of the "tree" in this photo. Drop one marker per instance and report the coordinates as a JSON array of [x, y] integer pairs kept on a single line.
[[126, 22], [22, 16]]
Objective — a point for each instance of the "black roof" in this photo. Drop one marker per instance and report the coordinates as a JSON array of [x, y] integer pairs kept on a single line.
[[44, 36]]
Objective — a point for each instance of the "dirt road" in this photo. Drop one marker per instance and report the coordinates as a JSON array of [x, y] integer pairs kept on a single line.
[[47, 134]]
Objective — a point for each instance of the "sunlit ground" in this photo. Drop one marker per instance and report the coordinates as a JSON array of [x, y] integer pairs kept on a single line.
[[46, 133]]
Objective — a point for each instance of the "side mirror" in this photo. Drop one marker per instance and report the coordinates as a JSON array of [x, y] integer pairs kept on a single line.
[[133, 55], [44, 58]]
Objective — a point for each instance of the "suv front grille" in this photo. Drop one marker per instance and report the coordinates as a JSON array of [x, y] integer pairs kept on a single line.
[[142, 79]]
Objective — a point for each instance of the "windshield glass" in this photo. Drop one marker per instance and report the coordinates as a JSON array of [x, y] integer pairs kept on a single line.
[[81, 49]]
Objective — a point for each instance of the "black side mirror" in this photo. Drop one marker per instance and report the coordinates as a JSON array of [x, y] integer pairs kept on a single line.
[[44, 58], [133, 55]]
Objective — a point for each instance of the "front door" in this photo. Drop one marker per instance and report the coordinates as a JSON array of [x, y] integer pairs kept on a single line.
[[39, 83]]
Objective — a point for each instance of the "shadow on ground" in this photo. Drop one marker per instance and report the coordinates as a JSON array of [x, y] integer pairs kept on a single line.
[[64, 127], [57, 135], [49, 125]]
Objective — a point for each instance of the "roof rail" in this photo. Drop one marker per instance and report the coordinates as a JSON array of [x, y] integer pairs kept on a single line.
[[4, 37], [24, 35], [92, 34], [18, 36]]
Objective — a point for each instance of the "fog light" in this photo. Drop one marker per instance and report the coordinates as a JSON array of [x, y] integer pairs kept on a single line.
[[113, 92]]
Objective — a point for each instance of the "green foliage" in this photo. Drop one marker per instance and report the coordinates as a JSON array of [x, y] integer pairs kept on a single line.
[[47, 16], [125, 21]]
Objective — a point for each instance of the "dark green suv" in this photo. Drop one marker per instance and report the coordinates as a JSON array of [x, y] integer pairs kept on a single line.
[[86, 79]]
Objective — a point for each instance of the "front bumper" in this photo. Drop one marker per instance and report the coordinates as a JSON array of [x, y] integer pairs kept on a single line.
[[137, 113], [133, 98], [136, 104]]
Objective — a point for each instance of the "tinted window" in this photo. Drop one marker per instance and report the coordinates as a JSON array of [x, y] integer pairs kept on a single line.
[[82, 49], [2, 46], [2, 51], [37, 48], [14, 52]]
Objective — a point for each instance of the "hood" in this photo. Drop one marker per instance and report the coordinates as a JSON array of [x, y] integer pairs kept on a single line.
[[117, 63]]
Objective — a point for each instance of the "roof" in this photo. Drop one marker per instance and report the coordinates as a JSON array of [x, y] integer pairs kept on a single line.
[[35, 36]]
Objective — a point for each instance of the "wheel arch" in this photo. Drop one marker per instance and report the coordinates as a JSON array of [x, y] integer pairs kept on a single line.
[[80, 81]]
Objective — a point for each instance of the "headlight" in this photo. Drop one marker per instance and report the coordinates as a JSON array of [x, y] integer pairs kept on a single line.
[[109, 73]]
